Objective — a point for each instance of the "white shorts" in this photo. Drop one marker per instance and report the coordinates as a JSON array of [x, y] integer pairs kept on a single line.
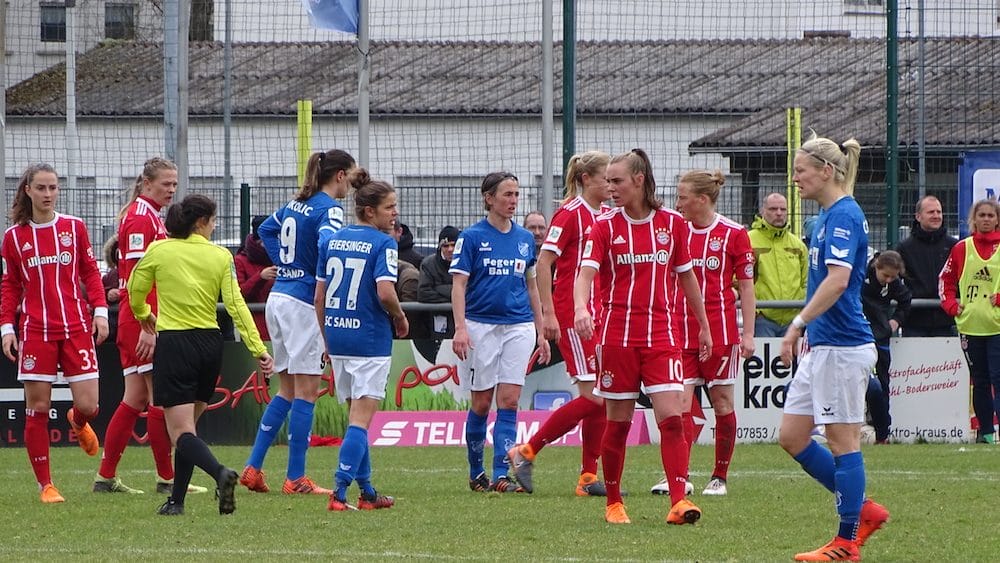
[[830, 384], [296, 342], [499, 354], [357, 377]]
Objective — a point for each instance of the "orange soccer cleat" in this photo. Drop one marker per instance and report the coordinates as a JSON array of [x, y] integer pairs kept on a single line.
[[615, 514], [253, 479], [303, 486], [50, 494], [590, 486], [684, 512], [838, 549], [873, 517], [85, 435]]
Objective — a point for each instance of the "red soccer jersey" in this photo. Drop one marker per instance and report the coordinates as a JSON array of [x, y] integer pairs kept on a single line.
[[140, 226], [43, 265], [567, 235], [720, 253], [634, 260]]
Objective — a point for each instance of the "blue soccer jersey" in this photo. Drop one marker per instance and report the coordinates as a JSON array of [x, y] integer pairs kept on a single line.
[[291, 237], [497, 265], [352, 261], [840, 238]]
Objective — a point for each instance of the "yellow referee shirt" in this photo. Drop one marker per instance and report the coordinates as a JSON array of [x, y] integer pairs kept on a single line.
[[189, 275]]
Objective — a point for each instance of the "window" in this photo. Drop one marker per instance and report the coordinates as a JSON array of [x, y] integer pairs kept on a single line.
[[53, 18], [119, 21], [864, 7]]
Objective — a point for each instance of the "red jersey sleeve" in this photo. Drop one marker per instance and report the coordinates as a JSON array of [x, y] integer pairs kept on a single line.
[[12, 286], [679, 232], [948, 278], [90, 274], [562, 231], [742, 256], [595, 251]]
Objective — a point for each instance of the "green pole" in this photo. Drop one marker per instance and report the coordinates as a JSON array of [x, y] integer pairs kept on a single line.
[[892, 120], [244, 210], [569, 82], [303, 146]]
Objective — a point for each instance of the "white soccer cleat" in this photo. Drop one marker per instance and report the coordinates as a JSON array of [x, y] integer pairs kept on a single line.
[[715, 488], [663, 488]]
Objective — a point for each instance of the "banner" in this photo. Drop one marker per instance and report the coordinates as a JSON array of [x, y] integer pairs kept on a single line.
[[978, 178]]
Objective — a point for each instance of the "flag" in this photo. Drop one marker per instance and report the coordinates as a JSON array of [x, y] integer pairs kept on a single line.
[[338, 15]]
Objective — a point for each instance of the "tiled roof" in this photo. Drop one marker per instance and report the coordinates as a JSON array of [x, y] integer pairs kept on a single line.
[[839, 82]]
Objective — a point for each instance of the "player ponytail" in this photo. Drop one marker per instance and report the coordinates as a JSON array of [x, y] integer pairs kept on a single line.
[[703, 182], [150, 170], [590, 163], [490, 184], [321, 169], [182, 217], [20, 211], [842, 158], [638, 163]]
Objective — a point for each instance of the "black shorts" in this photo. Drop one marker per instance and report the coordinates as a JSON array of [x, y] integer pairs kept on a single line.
[[186, 366]]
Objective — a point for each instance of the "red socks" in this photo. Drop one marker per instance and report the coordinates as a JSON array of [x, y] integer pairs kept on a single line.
[[36, 441], [592, 434], [80, 419], [674, 451], [725, 441], [564, 419], [159, 442], [613, 457], [116, 439]]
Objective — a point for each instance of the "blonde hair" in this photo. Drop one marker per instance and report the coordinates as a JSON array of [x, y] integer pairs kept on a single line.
[[590, 162], [638, 163], [150, 170], [843, 158], [703, 182]]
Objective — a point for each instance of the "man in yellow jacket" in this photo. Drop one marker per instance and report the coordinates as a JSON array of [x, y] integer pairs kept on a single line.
[[782, 263]]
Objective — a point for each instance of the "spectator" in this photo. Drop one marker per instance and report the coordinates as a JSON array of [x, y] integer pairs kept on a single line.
[[110, 278], [884, 284], [537, 225], [924, 253], [404, 238], [782, 265], [408, 274], [255, 273], [435, 284]]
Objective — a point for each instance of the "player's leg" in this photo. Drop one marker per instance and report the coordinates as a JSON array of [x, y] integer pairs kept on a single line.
[[693, 378], [517, 342], [993, 362], [78, 361], [369, 386], [721, 383], [122, 424], [618, 385], [975, 349], [477, 374], [37, 401], [305, 347], [591, 435]]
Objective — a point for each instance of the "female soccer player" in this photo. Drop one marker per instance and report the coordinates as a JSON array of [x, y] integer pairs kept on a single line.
[[636, 248], [586, 192], [721, 253], [47, 256], [838, 350], [356, 302], [190, 273], [497, 325], [966, 294], [291, 236], [139, 225]]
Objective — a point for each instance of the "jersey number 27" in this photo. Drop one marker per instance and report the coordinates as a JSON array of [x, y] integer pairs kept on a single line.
[[336, 267]]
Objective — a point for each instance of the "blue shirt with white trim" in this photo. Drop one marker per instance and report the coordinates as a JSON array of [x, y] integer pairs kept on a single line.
[[497, 265], [351, 262], [840, 238]]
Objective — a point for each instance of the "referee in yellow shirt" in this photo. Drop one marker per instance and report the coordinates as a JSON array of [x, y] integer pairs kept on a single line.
[[189, 273]]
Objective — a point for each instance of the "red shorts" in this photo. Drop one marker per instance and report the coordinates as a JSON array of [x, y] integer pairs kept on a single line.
[[624, 370], [128, 337], [721, 368], [580, 355], [75, 357]]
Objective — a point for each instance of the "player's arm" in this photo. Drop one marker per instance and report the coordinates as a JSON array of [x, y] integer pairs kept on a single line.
[[268, 233], [237, 309], [11, 289], [583, 321], [460, 343], [390, 302], [948, 279], [140, 282], [748, 309], [545, 354], [91, 276], [696, 302], [543, 281], [899, 291], [828, 292]]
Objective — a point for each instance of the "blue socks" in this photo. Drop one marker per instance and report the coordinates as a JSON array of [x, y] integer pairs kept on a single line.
[[270, 423], [352, 453], [850, 486], [364, 476], [299, 428], [818, 462], [475, 441], [504, 438]]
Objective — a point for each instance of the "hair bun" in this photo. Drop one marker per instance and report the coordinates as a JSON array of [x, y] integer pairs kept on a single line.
[[359, 178]]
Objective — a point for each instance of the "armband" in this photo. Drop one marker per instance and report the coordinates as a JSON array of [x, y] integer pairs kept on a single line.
[[798, 323]]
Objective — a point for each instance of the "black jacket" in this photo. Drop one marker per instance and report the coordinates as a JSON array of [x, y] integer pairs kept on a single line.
[[435, 281], [875, 299], [406, 250], [924, 254]]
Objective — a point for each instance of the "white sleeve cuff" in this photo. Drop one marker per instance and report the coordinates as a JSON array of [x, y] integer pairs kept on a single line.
[[101, 312], [6, 328]]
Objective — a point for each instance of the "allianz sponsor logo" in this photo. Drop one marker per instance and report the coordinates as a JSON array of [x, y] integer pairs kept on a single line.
[[660, 257], [63, 258]]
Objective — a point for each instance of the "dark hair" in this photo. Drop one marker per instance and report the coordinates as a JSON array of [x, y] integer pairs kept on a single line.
[[889, 259], [491, 182], [150, 170], [181, 217], [321, 168], [638, 163], [367, 192], [20, 211]]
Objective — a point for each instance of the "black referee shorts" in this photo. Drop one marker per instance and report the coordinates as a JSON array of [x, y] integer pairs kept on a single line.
[[186, 366]]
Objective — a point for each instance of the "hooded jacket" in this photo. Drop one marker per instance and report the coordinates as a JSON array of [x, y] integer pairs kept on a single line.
[[406, 250], [924, 254], [250, 261], [876, 303], [780, 269]]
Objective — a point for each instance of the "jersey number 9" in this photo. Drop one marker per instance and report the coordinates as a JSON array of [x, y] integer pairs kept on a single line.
[[335, 267], [287, 241]]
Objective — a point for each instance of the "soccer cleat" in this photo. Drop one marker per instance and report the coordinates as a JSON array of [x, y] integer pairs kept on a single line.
[[838, 549], [253, 479], [873, 517], [684, 512], [590, 486], [480, 484], [50, 494], [170, 508], [85, 435], [303, 486], [338, 505], [522, 466], [715, 488], [166, 487], [506, 485], [375, 502], [226, 490], [113, 485], [615, 514], [663, 487]]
